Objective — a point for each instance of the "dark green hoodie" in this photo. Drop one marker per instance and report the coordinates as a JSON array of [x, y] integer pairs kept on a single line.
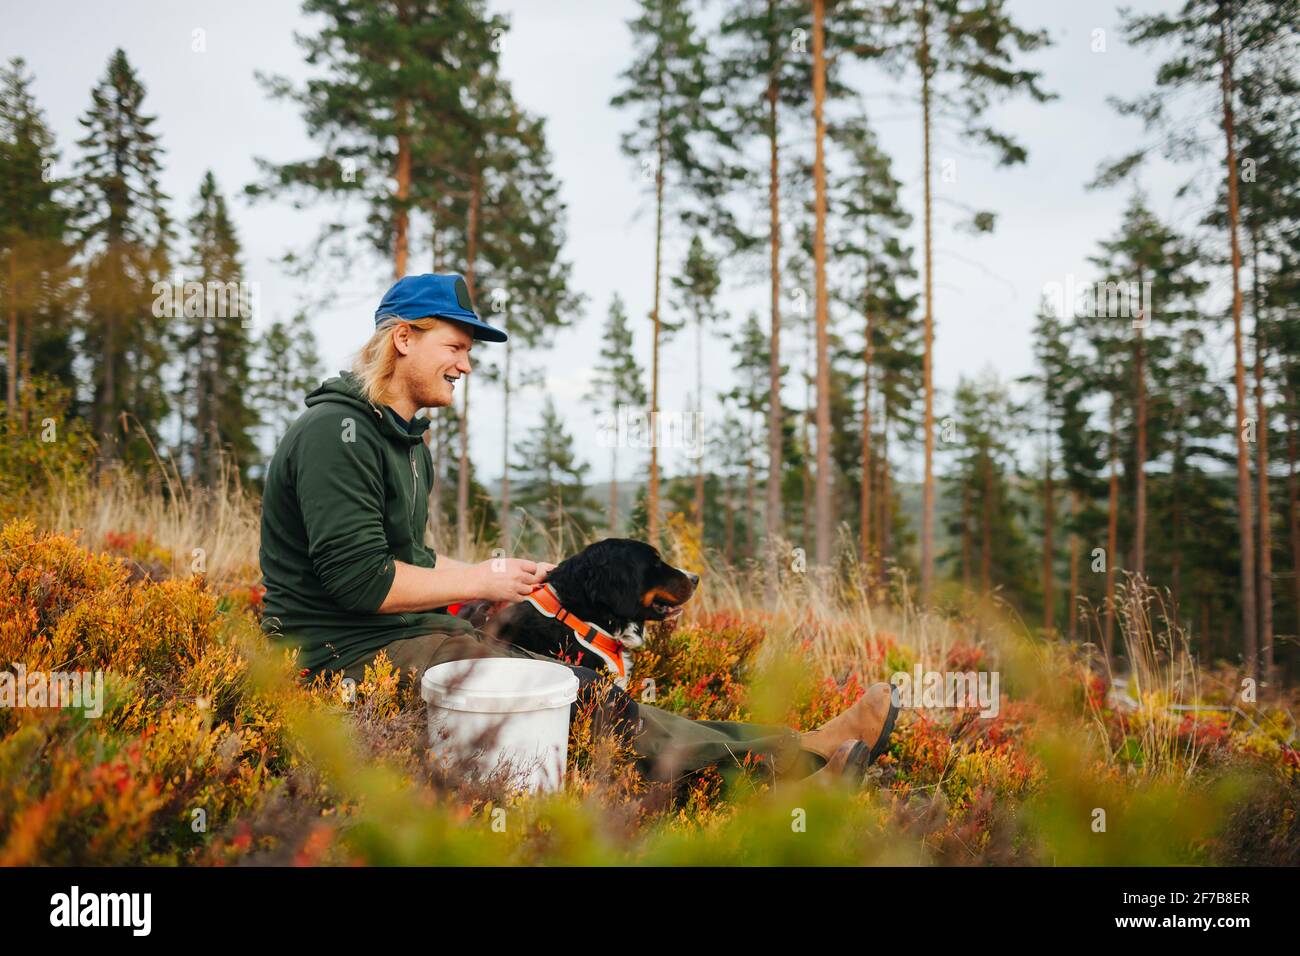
[[347, 494]]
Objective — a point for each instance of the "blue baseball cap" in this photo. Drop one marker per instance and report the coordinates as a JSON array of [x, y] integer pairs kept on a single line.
[[437, 295]]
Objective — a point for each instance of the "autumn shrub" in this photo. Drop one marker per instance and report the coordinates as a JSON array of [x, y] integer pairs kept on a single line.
[[208, 751]]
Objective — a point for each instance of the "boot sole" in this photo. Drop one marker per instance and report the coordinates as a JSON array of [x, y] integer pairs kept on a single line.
[[857, 762], [882, 742]]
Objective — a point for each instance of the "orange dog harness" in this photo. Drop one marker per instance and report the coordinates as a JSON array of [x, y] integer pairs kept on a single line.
[[594, 638]]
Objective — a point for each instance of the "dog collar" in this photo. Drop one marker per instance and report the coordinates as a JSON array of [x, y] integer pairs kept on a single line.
[[591, 636]]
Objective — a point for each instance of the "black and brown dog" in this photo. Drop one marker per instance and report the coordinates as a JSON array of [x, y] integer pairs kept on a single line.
[[593, 607]]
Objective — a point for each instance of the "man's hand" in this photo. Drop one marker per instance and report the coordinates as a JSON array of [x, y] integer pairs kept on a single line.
[[508, 579]]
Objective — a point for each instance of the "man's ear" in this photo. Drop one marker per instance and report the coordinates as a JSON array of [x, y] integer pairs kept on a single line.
[[402, 338]]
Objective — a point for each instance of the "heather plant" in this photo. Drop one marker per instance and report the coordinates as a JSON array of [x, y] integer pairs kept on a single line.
[[210, 751]]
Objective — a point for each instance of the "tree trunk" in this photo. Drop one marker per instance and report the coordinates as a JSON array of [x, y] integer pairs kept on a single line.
[[886, 523], [864, 505], [927, 365], [1293, 496], [652, 492], [965, 537], [986, 529], [1261, 475], [462, 476], [749, 498], [1140, 465], [1112, 532], [1072, 612], [1049, 517], [1176, 510], [402, 215], [613, 485], [699, 409], [730, 541], [25, 364], [807, 446], [1250, 645], [825, 519], [11, 383], [774, 410]]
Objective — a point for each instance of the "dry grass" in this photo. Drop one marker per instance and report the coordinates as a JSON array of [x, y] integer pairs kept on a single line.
[[295, 778]]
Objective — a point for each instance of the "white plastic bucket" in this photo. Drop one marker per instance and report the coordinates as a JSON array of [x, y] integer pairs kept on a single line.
[[502, 710]]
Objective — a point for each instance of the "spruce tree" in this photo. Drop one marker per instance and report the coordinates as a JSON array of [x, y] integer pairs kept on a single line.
[[551, 489], [218, 420], [288, 366], [125, 233], [35, 279], [696, 291], [616, 391]]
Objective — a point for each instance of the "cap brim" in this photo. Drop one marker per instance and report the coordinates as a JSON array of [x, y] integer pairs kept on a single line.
[[477, 328]]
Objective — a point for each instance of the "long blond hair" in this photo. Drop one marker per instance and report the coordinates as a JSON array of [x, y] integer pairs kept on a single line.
[[377, 360]]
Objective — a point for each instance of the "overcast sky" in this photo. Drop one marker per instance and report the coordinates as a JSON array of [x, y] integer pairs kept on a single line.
[[563, 58]]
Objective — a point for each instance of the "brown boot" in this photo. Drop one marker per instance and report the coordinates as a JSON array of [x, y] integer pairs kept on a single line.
[[847, 765], [870, 720]]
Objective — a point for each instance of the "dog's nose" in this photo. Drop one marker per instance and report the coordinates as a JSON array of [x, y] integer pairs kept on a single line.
[[694, 579]]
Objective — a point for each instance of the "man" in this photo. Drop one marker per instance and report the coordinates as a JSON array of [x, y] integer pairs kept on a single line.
[[347, 572]]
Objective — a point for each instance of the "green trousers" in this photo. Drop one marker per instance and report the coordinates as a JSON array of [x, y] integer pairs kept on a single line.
[[668, 747]]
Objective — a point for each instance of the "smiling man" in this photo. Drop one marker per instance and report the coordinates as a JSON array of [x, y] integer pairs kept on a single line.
[[348, 574]]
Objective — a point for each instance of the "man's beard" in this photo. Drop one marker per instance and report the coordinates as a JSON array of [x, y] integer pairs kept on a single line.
[[425, 392]]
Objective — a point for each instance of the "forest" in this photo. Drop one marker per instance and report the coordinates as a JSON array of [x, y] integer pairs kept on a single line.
[[1135, 499]]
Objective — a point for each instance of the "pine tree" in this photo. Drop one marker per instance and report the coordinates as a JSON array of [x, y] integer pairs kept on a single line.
[[767, 77], [616, 390], [524, 275], [1055, 366], [677, 105], [1147, 291], [985, 423], [35, 279], [125, 232], [1215, 41], [748, 397], [971, 46], [872, 220], [696, 291], [393, 83], [1268, 123]]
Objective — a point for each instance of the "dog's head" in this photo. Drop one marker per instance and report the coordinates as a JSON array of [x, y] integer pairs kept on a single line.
[[620, 581]]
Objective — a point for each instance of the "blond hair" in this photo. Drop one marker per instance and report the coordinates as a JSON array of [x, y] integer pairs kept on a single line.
[[377, 360]]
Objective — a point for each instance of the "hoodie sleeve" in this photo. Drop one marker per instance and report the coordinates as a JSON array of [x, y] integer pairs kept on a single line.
[[339, 481]]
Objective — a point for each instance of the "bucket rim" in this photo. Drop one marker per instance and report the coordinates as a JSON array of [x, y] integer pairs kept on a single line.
[[436, 691]]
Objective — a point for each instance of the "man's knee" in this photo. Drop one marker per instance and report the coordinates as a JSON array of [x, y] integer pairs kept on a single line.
[[611, 707]]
